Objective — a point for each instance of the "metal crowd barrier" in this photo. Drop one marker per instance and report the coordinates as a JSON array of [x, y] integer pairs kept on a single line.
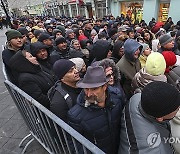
[[50, 131]]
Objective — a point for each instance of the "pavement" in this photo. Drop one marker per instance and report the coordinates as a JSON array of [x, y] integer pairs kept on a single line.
[[12, 126]]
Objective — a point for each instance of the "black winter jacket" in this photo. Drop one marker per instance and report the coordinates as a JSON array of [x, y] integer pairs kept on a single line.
[[58, 104], [6, 56], [32, 79], [99, 125]]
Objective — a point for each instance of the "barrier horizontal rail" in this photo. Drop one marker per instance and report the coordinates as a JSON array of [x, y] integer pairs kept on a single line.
[[50, 131]]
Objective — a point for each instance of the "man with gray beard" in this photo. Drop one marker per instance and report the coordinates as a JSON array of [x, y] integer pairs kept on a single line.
[[98, 111]]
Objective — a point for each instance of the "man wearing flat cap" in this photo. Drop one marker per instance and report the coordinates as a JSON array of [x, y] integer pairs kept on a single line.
[[145, 125], [98, 111], [64, 93]]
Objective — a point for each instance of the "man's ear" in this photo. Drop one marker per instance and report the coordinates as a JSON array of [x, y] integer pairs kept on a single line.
[[159, 119]]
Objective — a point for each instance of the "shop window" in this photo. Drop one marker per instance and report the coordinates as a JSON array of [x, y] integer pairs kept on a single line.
[[101, 9], [133, 9], [163, 12]]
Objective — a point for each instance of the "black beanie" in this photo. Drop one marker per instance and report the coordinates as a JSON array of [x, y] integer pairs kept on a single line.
[[60, 40], [23, 30], [44, 36], [11, 34], [61, 67], [159, 99], [35, 47]]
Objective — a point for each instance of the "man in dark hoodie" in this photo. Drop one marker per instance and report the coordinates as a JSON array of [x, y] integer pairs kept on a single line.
[[101, 49], [40, 51], [129, 64]]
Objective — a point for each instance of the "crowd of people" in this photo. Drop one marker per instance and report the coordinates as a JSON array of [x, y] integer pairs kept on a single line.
[[115, 82]]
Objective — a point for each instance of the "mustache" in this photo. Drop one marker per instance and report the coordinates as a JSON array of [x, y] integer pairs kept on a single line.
[[91, 99]]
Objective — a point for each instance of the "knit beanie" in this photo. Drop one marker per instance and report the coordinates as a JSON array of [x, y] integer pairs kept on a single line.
[[55, 31], [155, 64], [69, 31], [11, 34], [61, 67], [170, 59], [37, 33], [35, 47], [62, 28], [79, 62], [23, 30], [44, 36], [164, 39], [159, 99], [60, 40], [145, 46]]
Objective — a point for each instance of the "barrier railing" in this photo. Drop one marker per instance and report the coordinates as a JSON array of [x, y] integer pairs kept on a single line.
[[50, 131]]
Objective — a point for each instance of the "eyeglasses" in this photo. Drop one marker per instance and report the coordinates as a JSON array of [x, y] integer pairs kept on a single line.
[[109, 75]]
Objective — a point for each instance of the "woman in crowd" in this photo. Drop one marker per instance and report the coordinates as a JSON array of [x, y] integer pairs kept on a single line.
[[148, 37], [146, 51]]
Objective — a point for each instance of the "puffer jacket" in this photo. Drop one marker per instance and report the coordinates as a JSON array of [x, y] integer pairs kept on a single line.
[[141, 133], [100, 50], [58, 54], [99, 125], [142, 78]]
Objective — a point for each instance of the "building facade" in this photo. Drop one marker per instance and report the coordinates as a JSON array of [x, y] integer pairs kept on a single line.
[[136, 9], [146, 9]]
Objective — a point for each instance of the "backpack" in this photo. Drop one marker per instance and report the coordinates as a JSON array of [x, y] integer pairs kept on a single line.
[[58, 87]]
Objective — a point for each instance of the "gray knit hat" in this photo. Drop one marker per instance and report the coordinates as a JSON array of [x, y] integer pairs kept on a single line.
[[164, 39]]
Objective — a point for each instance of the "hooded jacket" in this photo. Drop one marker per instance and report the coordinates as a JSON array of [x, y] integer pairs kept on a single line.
[[115, 53], [99, 125], [100, 50], [128, 65], [35, 47], [32, 79], [141, 133]]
